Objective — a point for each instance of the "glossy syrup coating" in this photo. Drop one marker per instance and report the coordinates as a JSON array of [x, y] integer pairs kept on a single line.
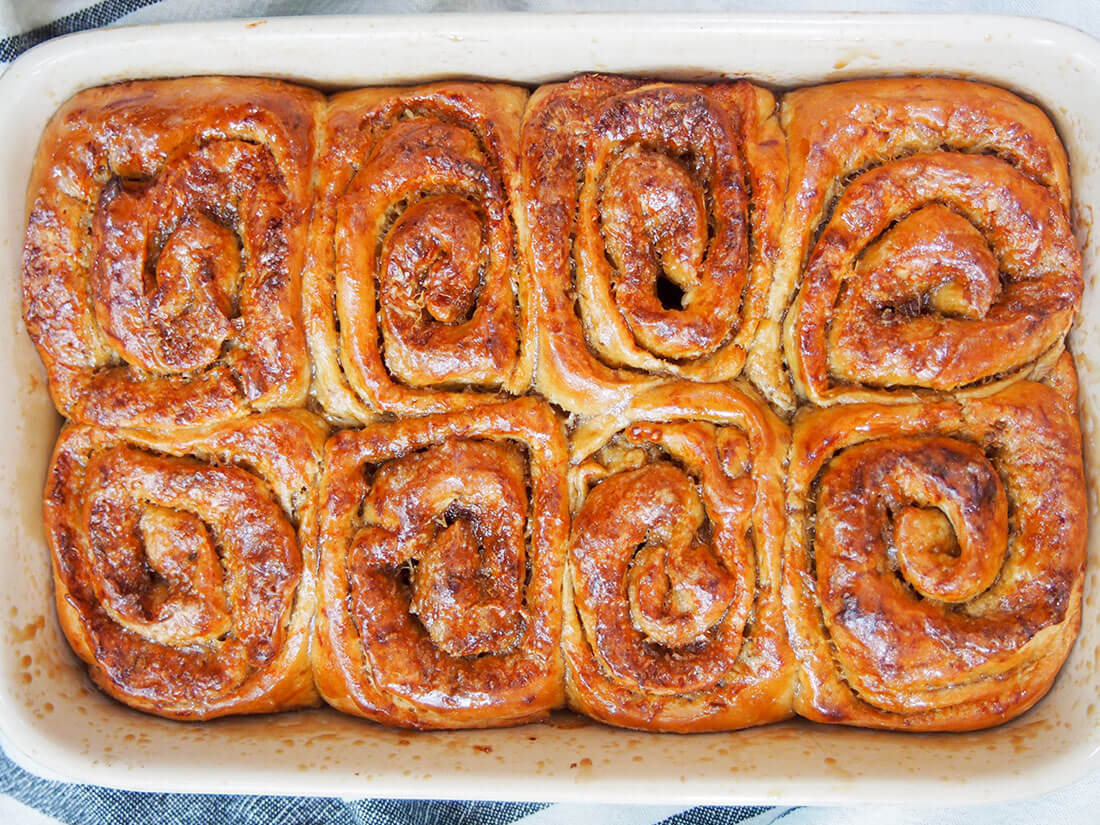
[[165, 238], [672, 605], [415, 292], [650, 218], [926, 244], [610, 244], [935, 554], [441, 541], [179, 578]]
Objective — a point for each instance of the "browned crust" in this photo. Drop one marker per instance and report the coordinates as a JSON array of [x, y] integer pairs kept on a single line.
[[876, 169], [866, 153], [515, 685], [568, 143], [758, 685], [938, 666], [270, 463], [119, 160], [388, 151]]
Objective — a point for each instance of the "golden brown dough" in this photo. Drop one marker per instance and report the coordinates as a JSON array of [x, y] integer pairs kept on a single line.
[[203, 252], [415, 295], [926, 244], [177, 569], [672, 607], [165, 239], [935, 554], [440, 542], [651, 220]]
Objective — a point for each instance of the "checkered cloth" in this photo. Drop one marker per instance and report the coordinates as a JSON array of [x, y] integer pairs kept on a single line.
[[28, 800]]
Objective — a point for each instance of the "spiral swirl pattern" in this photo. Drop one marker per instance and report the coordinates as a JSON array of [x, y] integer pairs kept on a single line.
[[441, 543], [926, 244], [415, 294], [179, 575], [672, 611], [165, 240], [934, 556], [891, 262], [653, 210]]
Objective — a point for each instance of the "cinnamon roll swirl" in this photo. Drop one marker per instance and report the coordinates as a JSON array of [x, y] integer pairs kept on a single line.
[[440, 542], [651, 216], [164, 244], [178, 574], [934, 559], [415, 295], [926, 244], [672, 609]]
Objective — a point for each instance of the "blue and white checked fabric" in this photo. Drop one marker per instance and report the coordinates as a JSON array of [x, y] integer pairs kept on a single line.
[[28, 800]]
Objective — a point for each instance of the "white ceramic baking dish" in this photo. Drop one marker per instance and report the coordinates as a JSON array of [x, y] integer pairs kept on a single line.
[[56, 724]]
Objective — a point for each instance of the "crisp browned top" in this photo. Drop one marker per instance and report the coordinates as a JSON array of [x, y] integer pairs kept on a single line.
[[179, 574], [440, 541], [623, 248], [653, 209], [672, 613], [935, 555], [165, 238], [927, 239], [936, 271], [415, 288]]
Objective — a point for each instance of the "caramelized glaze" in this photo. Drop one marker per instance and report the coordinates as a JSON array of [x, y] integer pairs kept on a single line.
[[672, 611], [415, 293], [440, 542], [650, 220], [926, 244], [165, 237], [934, 560], [179, 576], [626, 249]]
